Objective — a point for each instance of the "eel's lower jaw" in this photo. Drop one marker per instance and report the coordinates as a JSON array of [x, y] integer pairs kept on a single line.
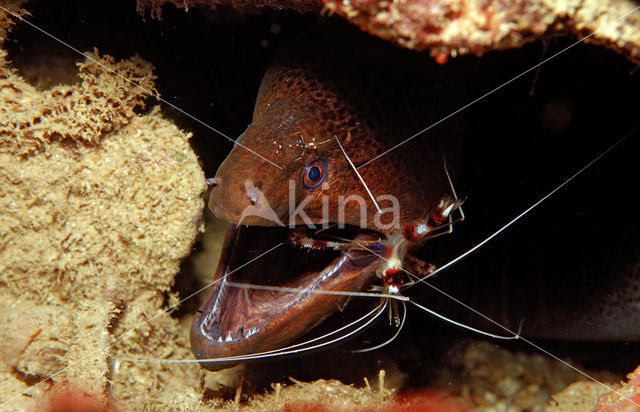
[[236, 321]]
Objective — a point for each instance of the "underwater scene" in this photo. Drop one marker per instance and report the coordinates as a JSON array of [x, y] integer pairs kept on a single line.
[[292, 205]]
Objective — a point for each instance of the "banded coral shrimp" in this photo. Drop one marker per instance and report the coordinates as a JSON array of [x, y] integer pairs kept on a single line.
[[502, 167]]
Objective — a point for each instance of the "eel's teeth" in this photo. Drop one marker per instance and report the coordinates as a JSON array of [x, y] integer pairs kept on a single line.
[[228, 338]]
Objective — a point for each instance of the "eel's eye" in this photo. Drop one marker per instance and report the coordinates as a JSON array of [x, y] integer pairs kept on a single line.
[[314, 174]]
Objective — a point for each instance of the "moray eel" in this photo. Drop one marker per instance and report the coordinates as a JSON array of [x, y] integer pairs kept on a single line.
[[370, 97], [307, 99]]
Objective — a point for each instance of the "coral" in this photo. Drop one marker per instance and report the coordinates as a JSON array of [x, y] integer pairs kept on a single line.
[[579, 396], [100, 203], [495, 379], [7, 22], [331, 395], [101, 103], [624, 398], [455, 27]]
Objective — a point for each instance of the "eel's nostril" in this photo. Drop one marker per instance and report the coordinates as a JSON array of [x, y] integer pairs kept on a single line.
[[213, 181]]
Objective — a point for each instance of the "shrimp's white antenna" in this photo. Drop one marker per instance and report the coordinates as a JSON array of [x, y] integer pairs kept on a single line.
[[533, 206], [289, 350], [388, 341], [453, 189], [467, 327], [515, 336], [358, 174], [315, 291]]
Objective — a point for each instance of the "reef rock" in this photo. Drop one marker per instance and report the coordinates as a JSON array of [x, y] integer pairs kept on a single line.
[[100, 200], [448, 28]]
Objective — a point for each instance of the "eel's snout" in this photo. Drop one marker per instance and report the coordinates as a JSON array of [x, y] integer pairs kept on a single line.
[[248, 190], [229, 198]]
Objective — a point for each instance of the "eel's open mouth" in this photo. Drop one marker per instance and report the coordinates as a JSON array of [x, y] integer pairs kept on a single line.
[[237, 320]]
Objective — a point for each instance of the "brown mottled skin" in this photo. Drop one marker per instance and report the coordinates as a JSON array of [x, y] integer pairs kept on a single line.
[[313, 96], [317, 96]]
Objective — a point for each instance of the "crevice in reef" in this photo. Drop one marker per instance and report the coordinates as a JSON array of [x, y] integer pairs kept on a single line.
[[44, 64], [185, 285]]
